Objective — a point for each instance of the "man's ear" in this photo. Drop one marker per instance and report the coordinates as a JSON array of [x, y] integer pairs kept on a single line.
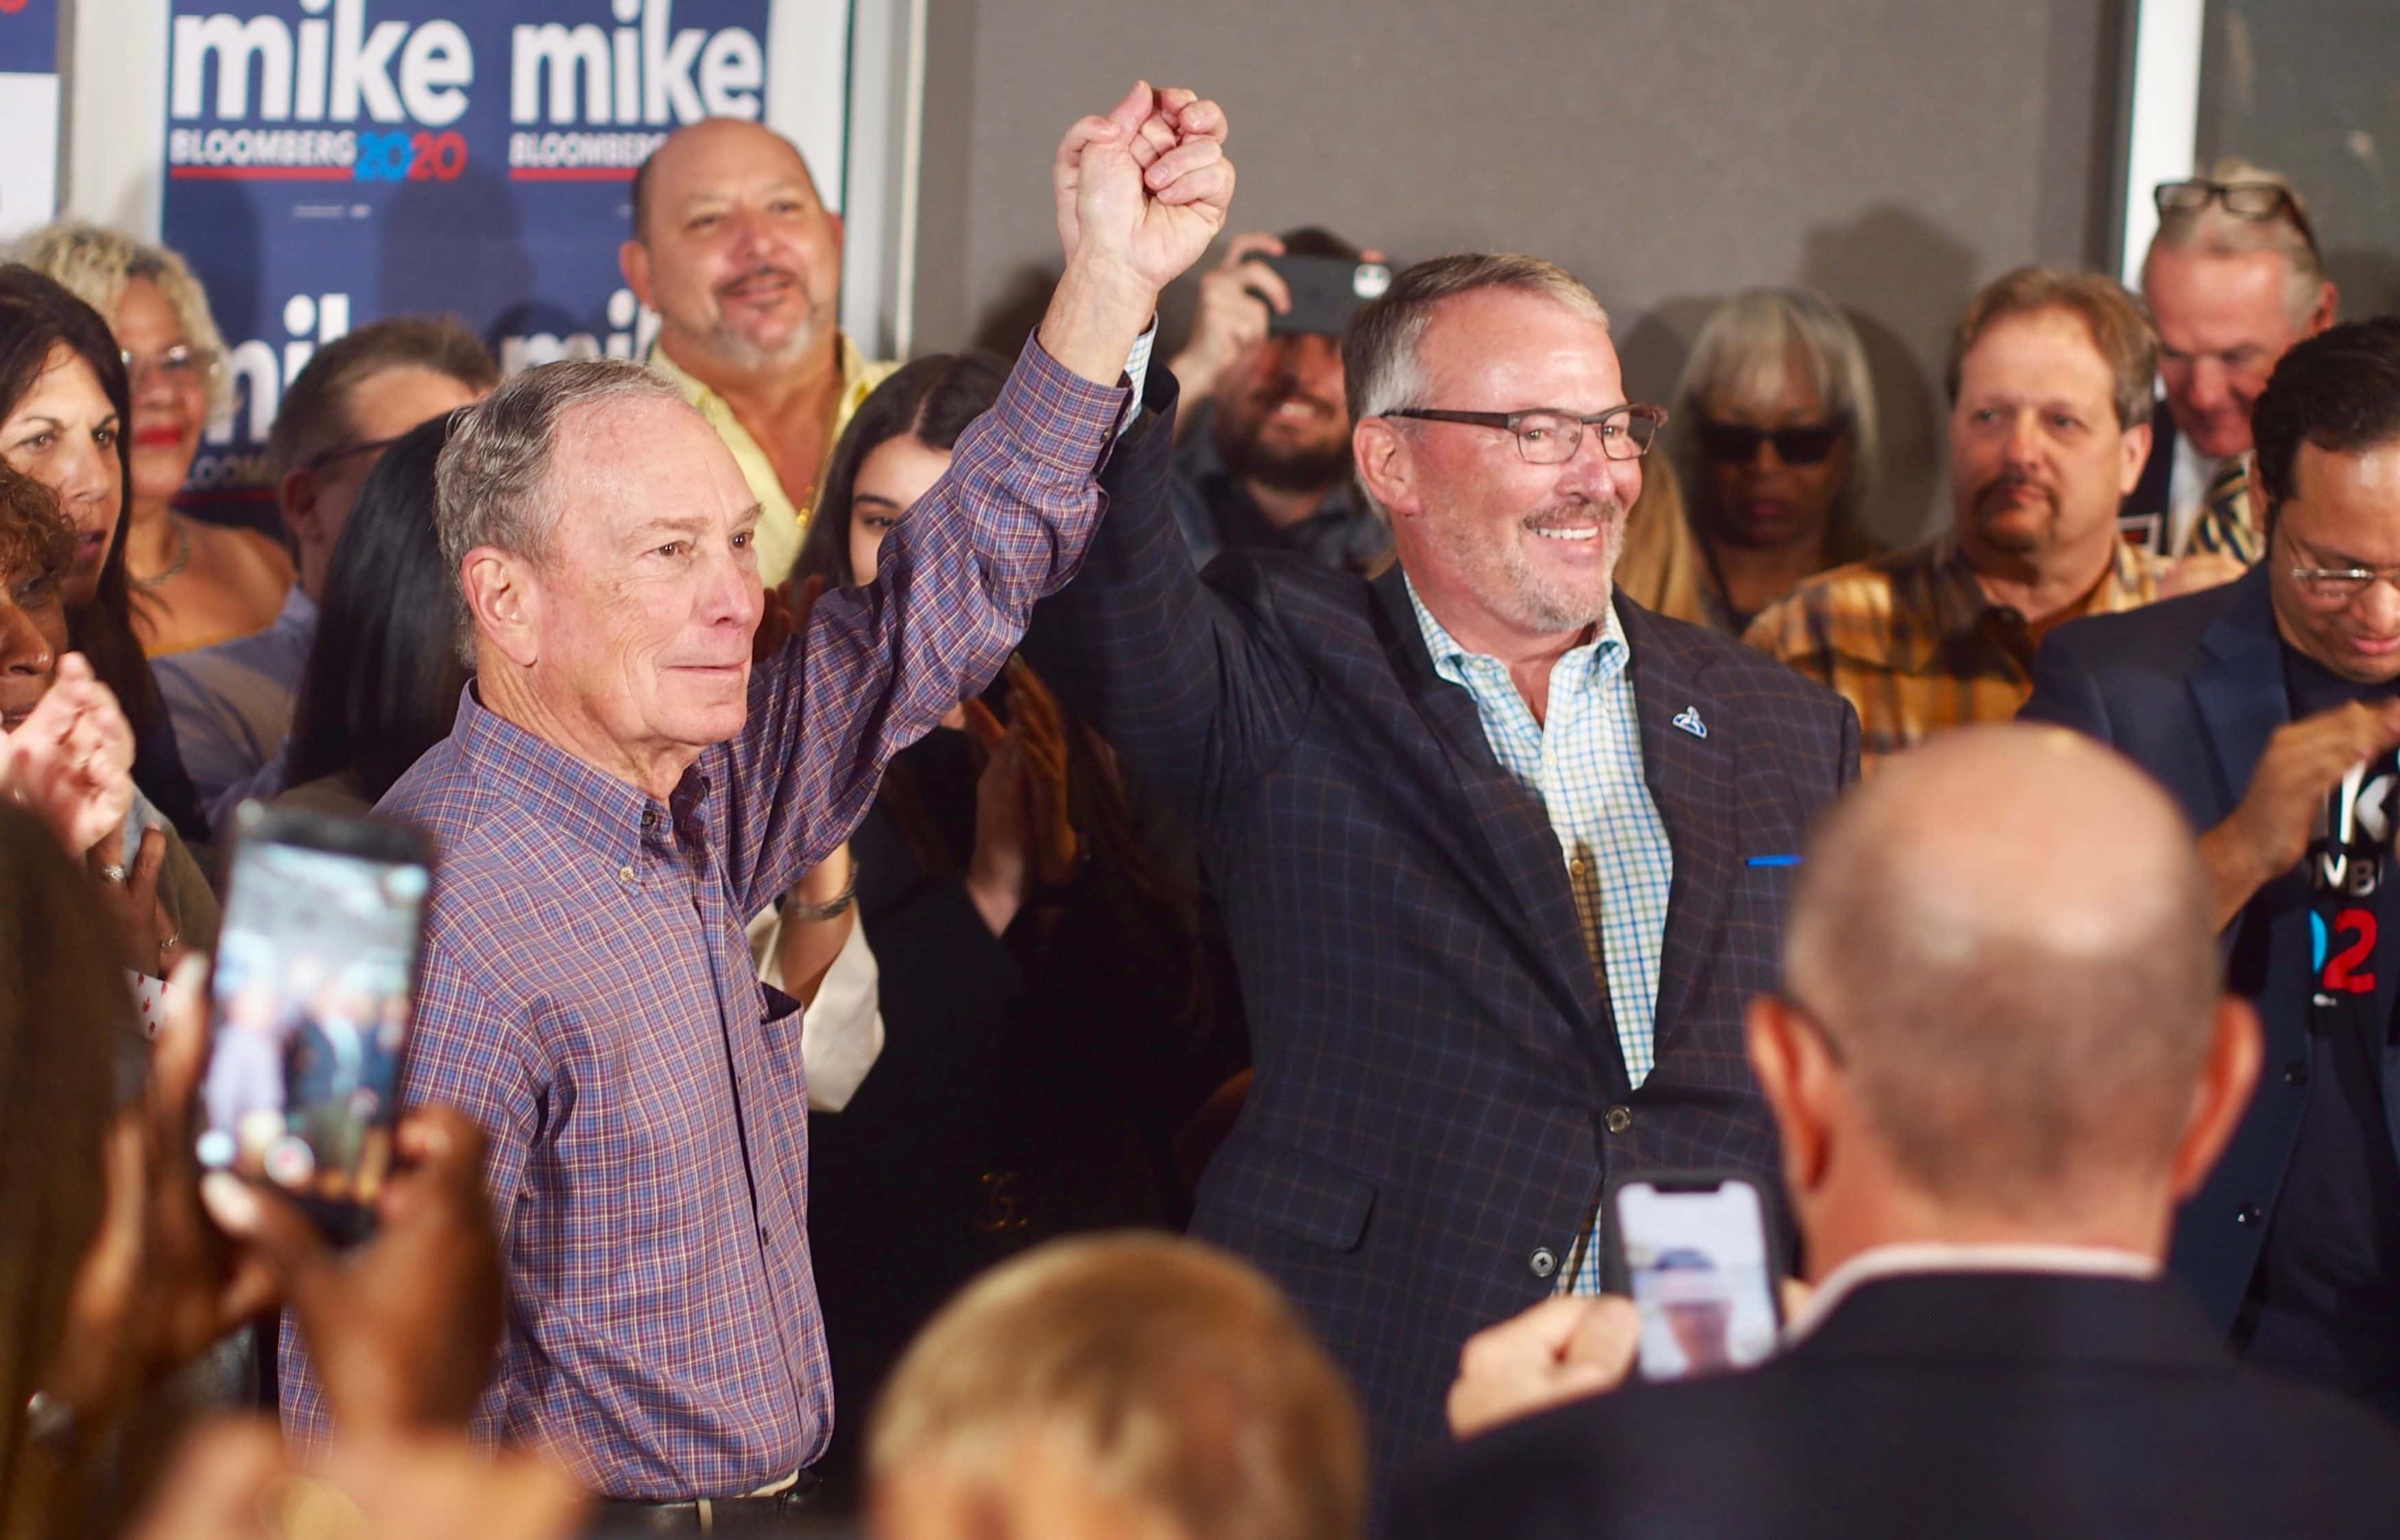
[[634, 261], [1796, 1073], [2227, 1077], [504, 602], [1387, 463], [2137, 454], [2327, 306], [295, 495]]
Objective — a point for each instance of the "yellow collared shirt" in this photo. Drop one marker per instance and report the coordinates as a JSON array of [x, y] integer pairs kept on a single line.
[[781, 517]]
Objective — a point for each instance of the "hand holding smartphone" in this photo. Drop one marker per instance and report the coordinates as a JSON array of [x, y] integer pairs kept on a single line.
[[313, 986], [1692, 1250]]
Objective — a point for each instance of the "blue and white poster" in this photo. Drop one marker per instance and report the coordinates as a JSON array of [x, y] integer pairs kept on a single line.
[[29, 115], [329, 162]]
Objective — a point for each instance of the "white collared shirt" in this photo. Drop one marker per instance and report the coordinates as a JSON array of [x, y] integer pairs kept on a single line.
[[1901, 1261]]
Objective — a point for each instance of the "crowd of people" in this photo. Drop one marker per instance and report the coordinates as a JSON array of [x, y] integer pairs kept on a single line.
[[1075, 945]]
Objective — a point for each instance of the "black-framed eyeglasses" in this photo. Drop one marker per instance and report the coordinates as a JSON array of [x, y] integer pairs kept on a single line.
[[341, 452], [180, 362], [2258, 201], [1550, 436], [1736, 442]]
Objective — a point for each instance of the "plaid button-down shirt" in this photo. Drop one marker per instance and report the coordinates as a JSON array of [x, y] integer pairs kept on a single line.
[[1910, 639], [1584, 760], [587, 993]]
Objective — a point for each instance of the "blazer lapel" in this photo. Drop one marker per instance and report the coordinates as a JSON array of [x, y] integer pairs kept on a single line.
[[1517, 867], [2238, 690], [1690, 777]]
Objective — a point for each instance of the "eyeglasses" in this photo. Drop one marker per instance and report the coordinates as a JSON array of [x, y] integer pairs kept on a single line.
[[1547, 436], [179, 364], [2258, 201], [345, 451], [1737, 444], [2336, 587]]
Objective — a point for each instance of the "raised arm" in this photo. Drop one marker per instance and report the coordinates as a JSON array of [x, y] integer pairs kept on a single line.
[[874, 668]]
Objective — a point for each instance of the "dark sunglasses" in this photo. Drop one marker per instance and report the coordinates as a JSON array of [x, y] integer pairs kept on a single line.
[[1737, 444]]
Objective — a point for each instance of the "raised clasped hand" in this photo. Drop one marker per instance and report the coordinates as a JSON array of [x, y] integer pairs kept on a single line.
[[1145, 190]]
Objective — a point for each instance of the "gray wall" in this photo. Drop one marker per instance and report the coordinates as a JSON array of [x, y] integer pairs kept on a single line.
[[1894, 155]]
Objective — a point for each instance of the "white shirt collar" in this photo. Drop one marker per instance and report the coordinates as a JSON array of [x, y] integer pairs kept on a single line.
[[1888, 1261]]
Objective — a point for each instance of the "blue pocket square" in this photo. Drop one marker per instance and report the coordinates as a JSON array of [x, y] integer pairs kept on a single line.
[[1770, 860]]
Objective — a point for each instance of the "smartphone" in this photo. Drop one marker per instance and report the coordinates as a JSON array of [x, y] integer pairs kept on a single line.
[[314, 982], [1325, 291], [1692, 1250]]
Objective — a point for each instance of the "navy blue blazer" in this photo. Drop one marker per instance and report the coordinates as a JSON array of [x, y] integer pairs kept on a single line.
[[2191, 689], [1439, 1083], [2001, 1405]]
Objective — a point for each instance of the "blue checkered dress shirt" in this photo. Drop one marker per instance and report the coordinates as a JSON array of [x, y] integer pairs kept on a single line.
[[1584, 760], [587, 993]]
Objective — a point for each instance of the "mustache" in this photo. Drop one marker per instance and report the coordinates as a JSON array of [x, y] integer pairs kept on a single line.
[[1989, 495], [1574, 512], [764, 270]]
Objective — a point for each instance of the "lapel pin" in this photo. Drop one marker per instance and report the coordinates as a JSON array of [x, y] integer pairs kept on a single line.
[[1690, 722]]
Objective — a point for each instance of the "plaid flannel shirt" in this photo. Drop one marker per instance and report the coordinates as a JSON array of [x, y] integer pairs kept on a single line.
[[586, 991], [1911, 640]]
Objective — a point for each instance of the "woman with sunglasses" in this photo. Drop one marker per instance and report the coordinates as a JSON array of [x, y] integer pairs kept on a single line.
[[197, 582], [1773, 429]]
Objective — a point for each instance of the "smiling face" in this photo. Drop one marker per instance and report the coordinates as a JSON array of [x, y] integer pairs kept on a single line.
[[1505, 552], [2038, 463], [2343, 512], [649, 591], [893, 476], [62, 432], [739, 255], [170, 398], [1283, 418]]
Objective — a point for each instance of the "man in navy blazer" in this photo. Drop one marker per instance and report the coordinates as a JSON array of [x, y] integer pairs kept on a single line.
[[2252, 704], [1996, 1062], [1500, 860]]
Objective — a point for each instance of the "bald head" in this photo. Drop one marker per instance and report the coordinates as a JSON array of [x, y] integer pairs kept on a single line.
[[735, 250], [701, 143], [2005, 937]]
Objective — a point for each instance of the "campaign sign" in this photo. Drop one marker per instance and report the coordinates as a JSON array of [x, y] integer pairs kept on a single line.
[[329, 162], [29, 115]]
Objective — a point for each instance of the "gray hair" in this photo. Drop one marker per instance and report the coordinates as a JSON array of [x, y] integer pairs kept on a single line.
[[95, 263], [493, 481], [2213, 231], [1744, 354], [1380, 367]]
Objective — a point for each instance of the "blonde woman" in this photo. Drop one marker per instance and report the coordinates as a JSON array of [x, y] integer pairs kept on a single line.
[[193, 582]]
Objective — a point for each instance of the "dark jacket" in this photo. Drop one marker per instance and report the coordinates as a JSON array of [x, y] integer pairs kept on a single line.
[[2192, 690], [2007, 1405], [1439, 1088]]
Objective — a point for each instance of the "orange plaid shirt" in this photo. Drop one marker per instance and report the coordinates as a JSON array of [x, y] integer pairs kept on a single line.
[[1910, 639]]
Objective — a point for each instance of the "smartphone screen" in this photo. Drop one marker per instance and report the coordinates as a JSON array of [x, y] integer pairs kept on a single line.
[[315, 970], [1696, 1258]]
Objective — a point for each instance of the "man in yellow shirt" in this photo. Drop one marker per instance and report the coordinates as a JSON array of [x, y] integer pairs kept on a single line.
[[741, 260]]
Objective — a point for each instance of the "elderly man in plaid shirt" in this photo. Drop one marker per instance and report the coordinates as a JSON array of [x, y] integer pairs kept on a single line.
[[623, 788]]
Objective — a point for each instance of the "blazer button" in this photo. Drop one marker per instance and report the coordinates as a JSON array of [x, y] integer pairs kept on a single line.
[[2295, 1073], [1544, 1261], [2249, 1213], [1618, 1119]]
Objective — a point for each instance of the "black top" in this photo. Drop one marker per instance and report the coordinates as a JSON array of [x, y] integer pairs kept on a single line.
[[1216, 515], [2326, 1303], [2007, 1405]]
